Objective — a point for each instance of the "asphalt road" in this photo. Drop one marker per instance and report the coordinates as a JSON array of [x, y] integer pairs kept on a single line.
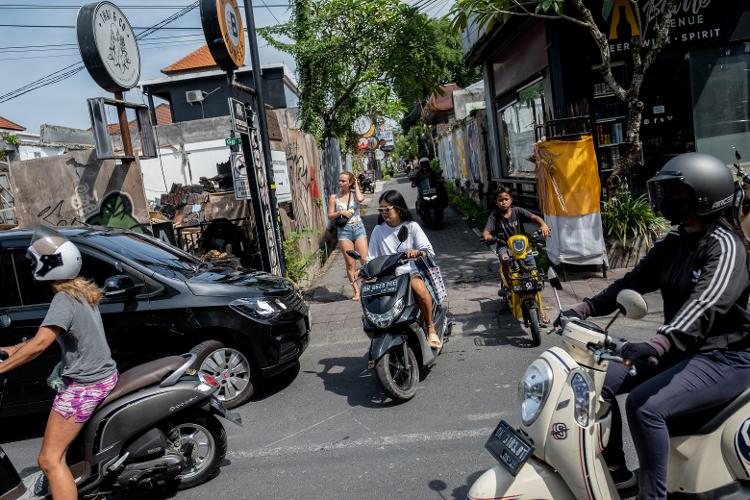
[[326, 430]]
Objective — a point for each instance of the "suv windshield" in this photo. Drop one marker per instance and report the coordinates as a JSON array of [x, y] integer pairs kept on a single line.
[[171, 263]]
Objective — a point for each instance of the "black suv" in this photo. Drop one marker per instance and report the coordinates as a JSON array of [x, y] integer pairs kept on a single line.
[[244, 325]]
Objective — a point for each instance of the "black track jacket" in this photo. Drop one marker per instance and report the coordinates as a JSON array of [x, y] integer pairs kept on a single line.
[[704, 280]]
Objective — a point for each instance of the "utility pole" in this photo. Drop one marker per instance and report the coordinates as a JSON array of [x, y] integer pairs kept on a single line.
[[263, 124]]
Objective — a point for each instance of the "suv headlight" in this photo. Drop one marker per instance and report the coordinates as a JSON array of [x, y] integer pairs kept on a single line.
[[256, 308], [534, 389], [385, 319], [583, 396]]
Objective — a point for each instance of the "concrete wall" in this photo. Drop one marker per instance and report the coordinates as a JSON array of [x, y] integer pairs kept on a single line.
[[73, 188], [462, 151]]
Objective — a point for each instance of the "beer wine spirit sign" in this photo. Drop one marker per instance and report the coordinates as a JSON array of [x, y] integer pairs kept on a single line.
[[108, 46]]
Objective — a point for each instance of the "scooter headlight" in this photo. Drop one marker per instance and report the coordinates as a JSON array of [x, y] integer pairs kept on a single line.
[[385, 319], [583, 396], [534, 389]]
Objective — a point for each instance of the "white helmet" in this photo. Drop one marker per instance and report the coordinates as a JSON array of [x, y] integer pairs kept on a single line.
[[53, 256]]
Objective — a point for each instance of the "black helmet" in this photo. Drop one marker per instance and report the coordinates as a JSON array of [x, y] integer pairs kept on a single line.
[[691, 184]]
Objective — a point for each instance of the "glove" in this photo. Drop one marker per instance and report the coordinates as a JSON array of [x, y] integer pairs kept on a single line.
[[634, 351], [582, 310]]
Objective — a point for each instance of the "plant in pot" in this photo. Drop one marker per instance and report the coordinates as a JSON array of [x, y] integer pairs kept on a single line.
[[630, 228]]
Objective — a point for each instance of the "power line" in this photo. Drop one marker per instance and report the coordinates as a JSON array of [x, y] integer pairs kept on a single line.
[[75, 68], [69, 46], [123, 7]]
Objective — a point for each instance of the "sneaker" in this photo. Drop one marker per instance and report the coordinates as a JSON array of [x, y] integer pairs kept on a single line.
[[623, 478]]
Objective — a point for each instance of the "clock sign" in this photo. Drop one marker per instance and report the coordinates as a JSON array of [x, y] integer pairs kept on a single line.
[[108, 46], [224, 32]]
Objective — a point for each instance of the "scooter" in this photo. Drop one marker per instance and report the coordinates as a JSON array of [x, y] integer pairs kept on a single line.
[[429, 203], [367, 183], [742, 197], [523, 293], [392, 320], [556, 451], [157, 427]]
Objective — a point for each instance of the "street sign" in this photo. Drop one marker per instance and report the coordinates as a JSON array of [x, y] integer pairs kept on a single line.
[[108, 46], [233, 141], [362, 125], [224, 32], [239, 175], [379, 155], [281, 177], [239, 116]]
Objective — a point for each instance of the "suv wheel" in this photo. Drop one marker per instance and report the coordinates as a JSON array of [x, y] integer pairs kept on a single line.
[[231, 367]]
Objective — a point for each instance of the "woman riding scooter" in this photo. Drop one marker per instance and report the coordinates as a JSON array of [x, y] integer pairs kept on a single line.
[[87, 373], [384, 241], [699, 357]]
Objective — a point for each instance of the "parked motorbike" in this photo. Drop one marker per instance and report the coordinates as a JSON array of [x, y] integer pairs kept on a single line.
[[523, 295], [430, 201], [399, 347], [367, 183], [565, 425], [157, 427], [742, 197]]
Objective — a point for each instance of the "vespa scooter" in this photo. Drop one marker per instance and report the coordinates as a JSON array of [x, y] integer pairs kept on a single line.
[[555, 454], [157, 427]]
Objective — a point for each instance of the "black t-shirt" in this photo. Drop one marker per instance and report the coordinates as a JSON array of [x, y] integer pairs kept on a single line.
[[503, 228]]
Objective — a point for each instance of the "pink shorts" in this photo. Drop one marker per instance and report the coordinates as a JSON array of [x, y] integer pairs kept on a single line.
[[82, 399]]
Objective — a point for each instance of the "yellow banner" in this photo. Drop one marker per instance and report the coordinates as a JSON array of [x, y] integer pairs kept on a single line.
[[567, 177]]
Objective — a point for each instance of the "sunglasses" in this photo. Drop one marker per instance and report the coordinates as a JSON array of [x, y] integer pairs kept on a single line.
[[384, 209]]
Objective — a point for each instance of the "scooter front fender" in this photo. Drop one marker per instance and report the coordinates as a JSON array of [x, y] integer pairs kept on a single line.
[[534, 480], [383, 343]]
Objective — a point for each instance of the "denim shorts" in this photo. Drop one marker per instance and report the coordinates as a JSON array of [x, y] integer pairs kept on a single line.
[[352, 232]]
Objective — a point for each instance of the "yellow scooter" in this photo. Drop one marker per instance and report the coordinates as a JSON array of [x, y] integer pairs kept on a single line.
[[522, 287]]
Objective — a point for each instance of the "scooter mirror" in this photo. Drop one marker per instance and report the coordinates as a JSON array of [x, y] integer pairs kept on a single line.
[[353, 254], [403, 233], [553, 279], [632, 304]]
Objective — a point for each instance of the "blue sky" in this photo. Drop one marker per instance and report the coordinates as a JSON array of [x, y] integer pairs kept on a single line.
[[64, 103]]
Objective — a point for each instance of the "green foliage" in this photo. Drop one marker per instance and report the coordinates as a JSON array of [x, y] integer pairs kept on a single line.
[[625, 217], [364, 57], [477, 215], [296, 262], [9, 139]]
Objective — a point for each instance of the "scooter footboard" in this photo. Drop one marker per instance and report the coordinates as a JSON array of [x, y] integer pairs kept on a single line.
[[534, 480]]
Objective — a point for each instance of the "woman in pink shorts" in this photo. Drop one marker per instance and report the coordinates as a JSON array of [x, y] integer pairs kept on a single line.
[[87, 373]]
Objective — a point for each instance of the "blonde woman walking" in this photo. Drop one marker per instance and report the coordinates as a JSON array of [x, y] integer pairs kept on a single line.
[[343, 210], [87, 373]]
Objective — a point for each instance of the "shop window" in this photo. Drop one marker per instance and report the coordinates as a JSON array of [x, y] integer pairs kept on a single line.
[[720, 80], [9, 293], [32, 291], [522, 126]]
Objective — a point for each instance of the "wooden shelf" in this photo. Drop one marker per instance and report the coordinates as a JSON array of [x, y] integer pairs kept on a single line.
[[603, 96], [611, 145], [610, 120]]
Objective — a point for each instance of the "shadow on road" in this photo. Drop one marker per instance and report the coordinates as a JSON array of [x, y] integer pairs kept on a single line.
[[323, 295], [274, 385], [350, 377], [459, 493]]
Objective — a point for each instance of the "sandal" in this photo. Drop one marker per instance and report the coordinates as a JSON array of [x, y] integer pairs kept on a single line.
[[433, 338]]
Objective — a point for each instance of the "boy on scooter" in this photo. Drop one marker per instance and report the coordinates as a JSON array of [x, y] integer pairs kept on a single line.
[[507, 221]]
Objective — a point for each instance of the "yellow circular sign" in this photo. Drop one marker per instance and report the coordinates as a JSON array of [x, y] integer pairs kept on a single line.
[[232, 29]]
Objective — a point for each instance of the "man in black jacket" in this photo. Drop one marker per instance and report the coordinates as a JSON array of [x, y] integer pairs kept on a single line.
[[699, 357]]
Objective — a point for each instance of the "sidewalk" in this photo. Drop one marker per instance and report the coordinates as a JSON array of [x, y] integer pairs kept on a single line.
[[469, 268]]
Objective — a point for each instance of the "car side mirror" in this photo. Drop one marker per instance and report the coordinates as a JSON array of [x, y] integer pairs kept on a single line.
[[119, 286], [553, 279], [4, 321], [403, 233], [631, 304]]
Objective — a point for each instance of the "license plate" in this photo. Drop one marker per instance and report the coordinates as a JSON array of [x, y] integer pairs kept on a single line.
[[429, 191], [509, 447], [380, 288], [222, 410]]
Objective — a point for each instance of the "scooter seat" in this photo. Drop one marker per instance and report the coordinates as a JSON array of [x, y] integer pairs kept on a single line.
[[706, 421], [142, 376]]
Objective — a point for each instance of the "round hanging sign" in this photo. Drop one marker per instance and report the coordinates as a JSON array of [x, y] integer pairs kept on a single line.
[[108, 46], [362, 125], [224, 32]]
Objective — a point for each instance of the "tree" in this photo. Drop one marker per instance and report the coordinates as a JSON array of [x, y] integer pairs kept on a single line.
[[486, 14], [358, 57]]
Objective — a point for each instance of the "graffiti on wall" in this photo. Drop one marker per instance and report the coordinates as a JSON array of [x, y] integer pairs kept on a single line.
[[474, 149], [305, 174], [79, 189]]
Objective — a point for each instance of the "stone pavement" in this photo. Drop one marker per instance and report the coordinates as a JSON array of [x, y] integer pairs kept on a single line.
[[469, 269]]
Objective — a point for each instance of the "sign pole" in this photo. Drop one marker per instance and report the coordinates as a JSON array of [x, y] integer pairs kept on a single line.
[[263, 132]]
